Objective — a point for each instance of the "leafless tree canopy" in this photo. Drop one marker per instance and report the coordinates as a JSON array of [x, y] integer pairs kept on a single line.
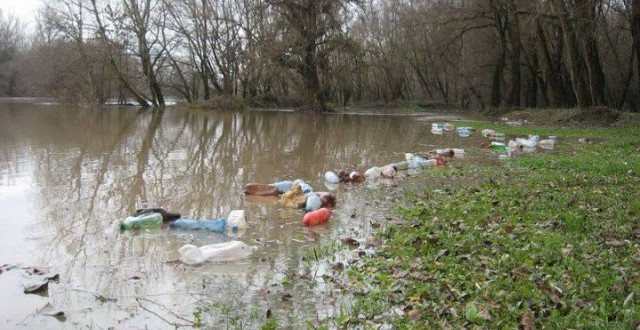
[[321, 54]]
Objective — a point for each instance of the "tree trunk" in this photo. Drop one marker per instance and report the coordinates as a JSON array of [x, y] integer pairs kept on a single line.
[[635, 32]]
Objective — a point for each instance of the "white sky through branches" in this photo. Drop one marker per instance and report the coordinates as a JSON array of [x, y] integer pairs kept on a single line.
[[25, 10]]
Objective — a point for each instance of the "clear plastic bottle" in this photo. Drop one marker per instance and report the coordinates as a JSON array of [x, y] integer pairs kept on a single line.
[[217, 225], [148, 220]]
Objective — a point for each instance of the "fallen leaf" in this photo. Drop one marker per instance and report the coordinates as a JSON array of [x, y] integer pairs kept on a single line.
[[37, 287], [615, 243], [374, 241], [636, 232], [441, 253], [526, 321], [520, 272], [414, 315], [628, 300], [286, 297], [433, 239], [509, 229], [376, 224], [50, 311], [350, 241]]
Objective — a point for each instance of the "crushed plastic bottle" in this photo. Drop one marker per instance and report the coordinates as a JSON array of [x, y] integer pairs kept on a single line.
[[283, 186], [498, 146], [148, 220], [228, 251], [216, 225]]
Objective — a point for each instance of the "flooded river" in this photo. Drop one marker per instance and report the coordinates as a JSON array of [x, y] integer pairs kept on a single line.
[[67, 173]]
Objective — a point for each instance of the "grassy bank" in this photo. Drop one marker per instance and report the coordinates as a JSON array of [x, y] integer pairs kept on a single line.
[[549, 240]]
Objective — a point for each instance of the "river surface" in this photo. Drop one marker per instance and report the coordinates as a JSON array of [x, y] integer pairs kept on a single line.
[[67, 173]]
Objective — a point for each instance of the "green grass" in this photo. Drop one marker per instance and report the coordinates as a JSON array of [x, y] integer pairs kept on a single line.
[[549, 240]]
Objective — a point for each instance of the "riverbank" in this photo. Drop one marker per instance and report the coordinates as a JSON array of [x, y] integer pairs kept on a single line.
[[549, 240]]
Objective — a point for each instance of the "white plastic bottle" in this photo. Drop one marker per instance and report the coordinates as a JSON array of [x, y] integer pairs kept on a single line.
[[227, 251], [236, 221]]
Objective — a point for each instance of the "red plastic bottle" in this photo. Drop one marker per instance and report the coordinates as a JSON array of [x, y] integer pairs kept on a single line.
[[316, 217]]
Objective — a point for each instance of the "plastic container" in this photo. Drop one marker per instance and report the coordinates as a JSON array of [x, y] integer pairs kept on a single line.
[[217, 225], [313, 202], [388, 171], [498, 146], [436, 131], [317, 217], [488, 132], [148, 220], [464, 131], [260, 189], [283, 186], [373, 173], [547, 144], [228, 251], [166, 215], [401, 165], [236, 221], [331, 177], [436, 126], [305, 187]]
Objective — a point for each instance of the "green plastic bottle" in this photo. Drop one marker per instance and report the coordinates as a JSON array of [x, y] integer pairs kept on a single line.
[[149, 220]]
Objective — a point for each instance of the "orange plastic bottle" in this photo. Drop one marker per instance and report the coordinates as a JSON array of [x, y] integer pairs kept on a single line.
[[316, 217]]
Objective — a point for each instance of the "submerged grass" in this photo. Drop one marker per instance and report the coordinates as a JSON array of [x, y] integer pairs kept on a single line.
[[545, 241]]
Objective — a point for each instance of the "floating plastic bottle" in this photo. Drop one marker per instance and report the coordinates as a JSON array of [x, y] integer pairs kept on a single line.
[[260, 189], [372, 173], [331, 177], [498, 146], [403, 165], [388, 171], [166, 215], [148, 220], [464, 132], [217, 225], [305, 187], [316, 217], [283, 186], [313, 202], [236, 221], [547, 144], [228, 251]]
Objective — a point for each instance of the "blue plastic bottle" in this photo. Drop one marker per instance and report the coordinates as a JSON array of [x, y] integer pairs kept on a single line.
[[217, 225]]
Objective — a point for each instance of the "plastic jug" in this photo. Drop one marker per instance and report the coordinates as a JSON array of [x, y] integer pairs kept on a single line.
[[148, 220], [236, 221], [217, 225], [316, 217], [228, 251], [306, 188]]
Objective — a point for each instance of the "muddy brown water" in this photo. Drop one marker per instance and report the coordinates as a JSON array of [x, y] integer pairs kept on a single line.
[[67, 173]]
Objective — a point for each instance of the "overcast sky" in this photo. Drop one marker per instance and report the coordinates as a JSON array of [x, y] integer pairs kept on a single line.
[[23, 9]]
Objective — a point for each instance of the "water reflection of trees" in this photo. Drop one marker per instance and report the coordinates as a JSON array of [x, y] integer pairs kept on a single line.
[[94, 166]]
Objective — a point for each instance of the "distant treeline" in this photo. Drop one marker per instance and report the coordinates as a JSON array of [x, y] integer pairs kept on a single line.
[[319, 54]]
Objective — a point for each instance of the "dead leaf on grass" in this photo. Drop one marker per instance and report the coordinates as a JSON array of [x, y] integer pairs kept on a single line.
[[414, 315], [440, 254], [526, 321]]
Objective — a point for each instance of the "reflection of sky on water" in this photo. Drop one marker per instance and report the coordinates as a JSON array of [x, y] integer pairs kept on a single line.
[[67, 174]]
